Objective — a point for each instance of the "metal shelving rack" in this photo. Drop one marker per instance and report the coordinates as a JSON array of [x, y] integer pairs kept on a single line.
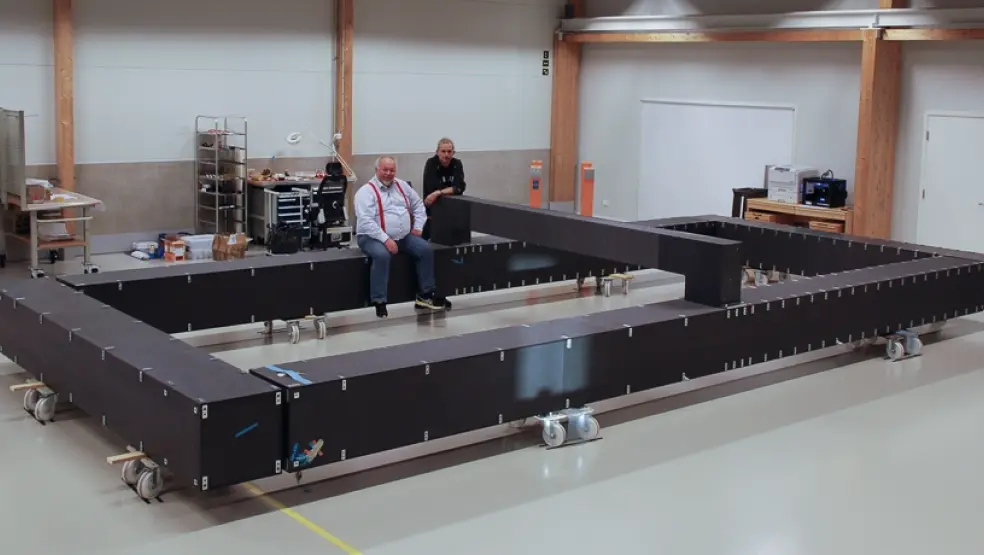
[[13, 162], [221, 200]]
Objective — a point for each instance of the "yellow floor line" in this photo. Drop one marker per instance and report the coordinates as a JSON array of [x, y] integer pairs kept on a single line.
[[324, 534]]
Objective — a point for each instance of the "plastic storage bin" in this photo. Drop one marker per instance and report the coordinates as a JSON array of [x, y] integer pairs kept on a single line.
[[199, 247]]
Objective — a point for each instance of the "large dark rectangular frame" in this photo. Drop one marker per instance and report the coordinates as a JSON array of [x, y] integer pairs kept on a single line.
[[102, 341]]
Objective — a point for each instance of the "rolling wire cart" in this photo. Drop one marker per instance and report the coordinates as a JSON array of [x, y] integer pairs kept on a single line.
[[13, 162], [221, 203]]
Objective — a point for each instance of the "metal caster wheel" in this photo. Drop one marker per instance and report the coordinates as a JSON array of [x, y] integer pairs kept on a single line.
[[90, 269], [44, 411], [37, 273], [894, 349], [589, 428], [913, 346], [149, 484], [31, 398], [131, 472], [322, 328], [295, 332], [554, 434]]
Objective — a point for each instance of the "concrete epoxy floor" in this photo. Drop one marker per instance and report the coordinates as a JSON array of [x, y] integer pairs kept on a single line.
[[870, 457]]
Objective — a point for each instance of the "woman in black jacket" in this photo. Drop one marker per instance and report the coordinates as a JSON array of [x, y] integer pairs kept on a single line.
[[443, 175]]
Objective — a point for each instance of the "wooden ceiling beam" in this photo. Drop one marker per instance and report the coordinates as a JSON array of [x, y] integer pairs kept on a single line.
[[833, 35], [951, 35]]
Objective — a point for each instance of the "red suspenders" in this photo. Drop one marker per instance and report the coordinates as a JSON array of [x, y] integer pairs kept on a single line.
[[379, 203]]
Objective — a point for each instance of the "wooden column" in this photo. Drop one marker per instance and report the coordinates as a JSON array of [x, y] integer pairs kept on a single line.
[[878, 122], [564, 116], [64, 93], [344, 35]]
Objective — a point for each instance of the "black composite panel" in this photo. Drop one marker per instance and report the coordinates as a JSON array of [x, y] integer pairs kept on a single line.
[[478, 380], [209, 295], [201, 419], [710, 265]]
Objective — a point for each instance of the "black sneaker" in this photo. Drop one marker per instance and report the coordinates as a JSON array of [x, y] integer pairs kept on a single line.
[[381, 311], [431, 301]]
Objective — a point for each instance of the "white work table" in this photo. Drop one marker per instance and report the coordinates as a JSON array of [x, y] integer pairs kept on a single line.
[[61, 200]]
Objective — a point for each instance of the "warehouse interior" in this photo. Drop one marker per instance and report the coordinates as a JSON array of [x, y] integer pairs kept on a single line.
[[621, 110]]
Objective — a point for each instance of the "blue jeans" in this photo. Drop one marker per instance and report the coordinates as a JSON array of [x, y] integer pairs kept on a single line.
[[418, 249]]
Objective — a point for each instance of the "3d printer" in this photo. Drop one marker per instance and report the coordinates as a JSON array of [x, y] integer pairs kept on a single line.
[[825, 191]]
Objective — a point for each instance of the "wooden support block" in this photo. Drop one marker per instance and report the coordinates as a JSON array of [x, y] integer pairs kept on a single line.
[[25, 386], [623, 277], [126, 457]]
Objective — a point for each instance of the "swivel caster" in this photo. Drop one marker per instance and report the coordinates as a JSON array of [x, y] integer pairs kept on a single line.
[[913, 345], [37, 273], [575, 425], [150, 483], [607, 286], [588, 427], [44, 411], [322, 328], [294, 328], [904, 344], [41, 404], [31, 398], [131, 472], [90, 269], [554, 434]]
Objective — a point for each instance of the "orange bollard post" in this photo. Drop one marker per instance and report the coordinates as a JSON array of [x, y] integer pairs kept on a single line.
[[586, 207], [536, 194]]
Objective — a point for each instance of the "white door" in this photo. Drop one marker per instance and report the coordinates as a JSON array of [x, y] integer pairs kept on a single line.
[[951, 205]]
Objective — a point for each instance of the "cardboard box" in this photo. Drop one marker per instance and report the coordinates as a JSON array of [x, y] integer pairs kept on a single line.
[[38, 194], [229, 246]]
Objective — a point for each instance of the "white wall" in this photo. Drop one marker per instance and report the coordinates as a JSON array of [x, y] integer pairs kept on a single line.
[[936, 77], [821, 80], [144, 70], [27, 74], [468, 69]]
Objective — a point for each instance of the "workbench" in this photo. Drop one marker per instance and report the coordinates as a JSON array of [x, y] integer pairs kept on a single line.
[[60, 200], [837, 220]]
